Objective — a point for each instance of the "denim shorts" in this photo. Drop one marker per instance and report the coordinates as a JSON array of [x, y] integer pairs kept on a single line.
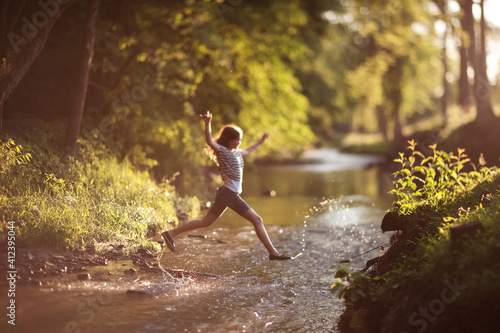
[[226, 198]]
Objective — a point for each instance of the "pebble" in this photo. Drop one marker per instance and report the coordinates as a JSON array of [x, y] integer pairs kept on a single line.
[[130, 271], [83, 276]]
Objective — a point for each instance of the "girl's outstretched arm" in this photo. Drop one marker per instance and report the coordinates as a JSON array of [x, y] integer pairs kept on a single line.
[[255, 146], [207, 118]]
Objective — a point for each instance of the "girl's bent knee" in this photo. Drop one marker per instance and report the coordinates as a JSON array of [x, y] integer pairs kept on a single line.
[[258, 221]]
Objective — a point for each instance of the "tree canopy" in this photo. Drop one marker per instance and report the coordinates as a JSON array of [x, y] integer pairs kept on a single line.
[[304, 71]]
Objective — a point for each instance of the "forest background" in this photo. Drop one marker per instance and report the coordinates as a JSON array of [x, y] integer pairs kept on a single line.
[[136, 74], [130, 78]]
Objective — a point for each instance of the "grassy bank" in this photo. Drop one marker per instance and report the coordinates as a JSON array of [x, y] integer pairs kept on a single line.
[[82, 202], [428, 281]]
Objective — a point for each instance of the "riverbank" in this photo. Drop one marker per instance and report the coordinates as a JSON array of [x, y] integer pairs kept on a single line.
[[45, 266], [478, 140], [49, 267], [442, 269], [82, 203]]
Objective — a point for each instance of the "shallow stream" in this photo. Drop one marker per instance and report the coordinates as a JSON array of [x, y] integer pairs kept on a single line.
[[328, 210]]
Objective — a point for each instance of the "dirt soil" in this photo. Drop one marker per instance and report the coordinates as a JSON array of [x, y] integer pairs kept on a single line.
[[43, 266]]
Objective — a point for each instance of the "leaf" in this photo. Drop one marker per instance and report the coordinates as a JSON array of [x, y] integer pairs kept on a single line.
[[406, 172], [419, 169], [474, 174], [341, 273], [417, 153], [427, 159]]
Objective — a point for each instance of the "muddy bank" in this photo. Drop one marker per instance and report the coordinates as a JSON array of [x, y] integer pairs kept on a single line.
[[45, 266]]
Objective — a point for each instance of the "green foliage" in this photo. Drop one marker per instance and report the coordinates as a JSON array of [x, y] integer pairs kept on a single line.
[[432, 180], [294, 68], [383, 41], [436, 190], [353, 286], [424, 275], [76, 203], [182, 59], [11, 156]]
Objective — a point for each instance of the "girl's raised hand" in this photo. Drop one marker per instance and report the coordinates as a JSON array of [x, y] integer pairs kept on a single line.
[[206, 117], [264, 137]]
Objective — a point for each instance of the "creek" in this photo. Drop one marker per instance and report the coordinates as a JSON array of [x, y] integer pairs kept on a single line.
[[325, 211]]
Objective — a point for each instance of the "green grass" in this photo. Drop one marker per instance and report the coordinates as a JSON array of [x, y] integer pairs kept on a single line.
[[80, 203]]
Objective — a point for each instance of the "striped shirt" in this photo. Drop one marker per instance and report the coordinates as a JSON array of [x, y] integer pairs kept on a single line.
[[231, 168]]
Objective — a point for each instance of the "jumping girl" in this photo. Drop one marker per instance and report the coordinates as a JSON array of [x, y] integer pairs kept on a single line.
[[224, 151]]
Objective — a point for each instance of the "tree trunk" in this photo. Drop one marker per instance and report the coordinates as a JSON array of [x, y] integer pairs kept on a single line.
[[394, 96], [25, 50], [466, 53], [482, 87], [444, 59], [446, 86], [382, 121], [75, 118], [464, 93], [4, 8]]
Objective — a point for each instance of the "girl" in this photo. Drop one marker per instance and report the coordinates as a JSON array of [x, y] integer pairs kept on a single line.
[[224, 151]]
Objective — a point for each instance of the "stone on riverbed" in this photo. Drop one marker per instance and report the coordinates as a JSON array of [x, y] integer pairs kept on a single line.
[[83, 277]]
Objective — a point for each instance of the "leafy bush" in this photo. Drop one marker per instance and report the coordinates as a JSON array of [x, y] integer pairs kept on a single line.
[[433, 193], [433, 180], [11, 155]]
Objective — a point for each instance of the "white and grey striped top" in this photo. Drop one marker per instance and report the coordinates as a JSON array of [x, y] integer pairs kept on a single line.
[[231, 168]]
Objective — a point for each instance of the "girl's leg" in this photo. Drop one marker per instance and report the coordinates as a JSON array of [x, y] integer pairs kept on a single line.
[[193, 224], [258, 224], [213, 214]]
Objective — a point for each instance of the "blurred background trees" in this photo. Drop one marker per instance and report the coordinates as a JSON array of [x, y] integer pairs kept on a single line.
[[306, 71]]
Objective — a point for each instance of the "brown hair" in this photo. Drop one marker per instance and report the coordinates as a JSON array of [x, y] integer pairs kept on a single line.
[[226, 134]]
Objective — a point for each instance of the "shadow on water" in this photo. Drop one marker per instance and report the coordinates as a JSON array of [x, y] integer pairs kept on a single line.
[[326, 213]]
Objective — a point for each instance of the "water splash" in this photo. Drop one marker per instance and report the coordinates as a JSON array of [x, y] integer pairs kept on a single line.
[[303, 239], [169, 278]]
